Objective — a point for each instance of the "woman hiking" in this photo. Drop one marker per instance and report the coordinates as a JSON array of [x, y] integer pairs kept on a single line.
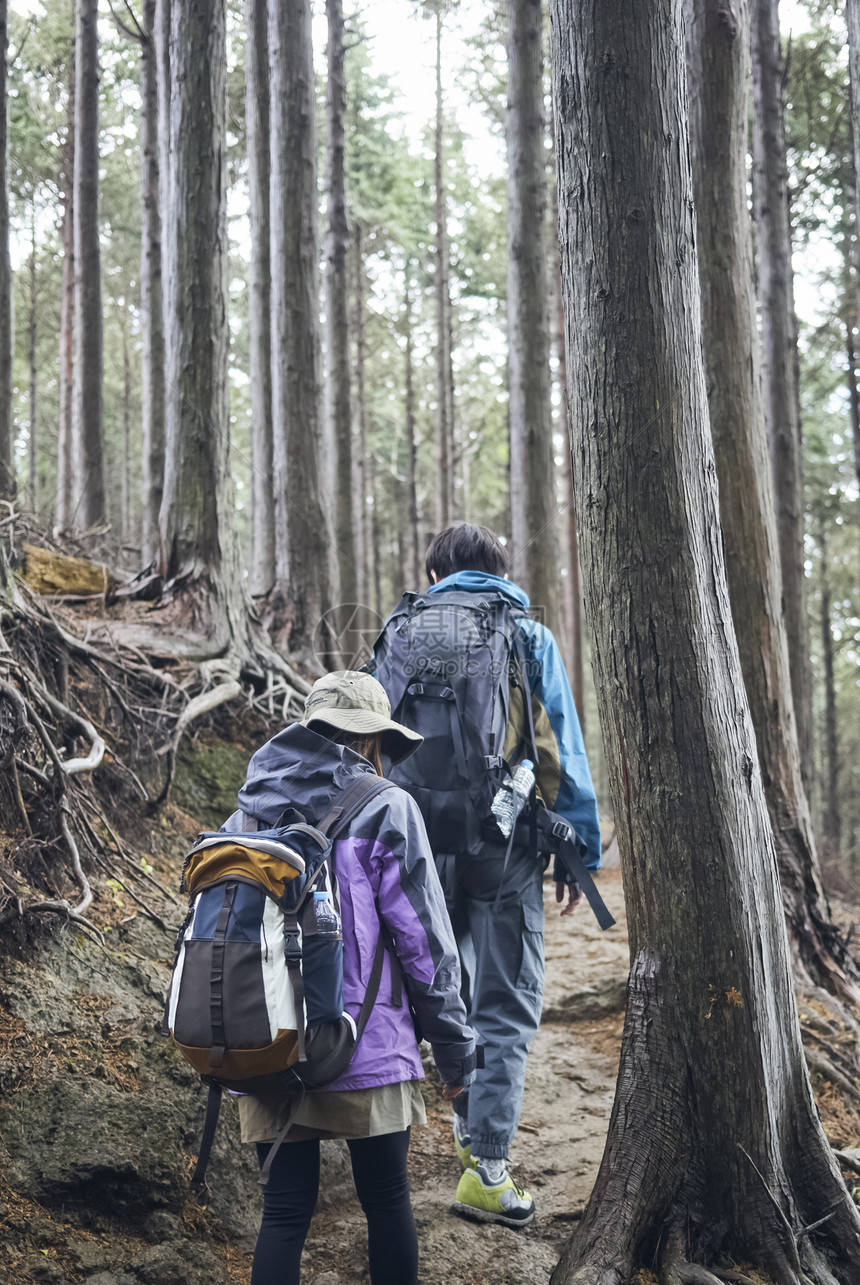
[[385, 871]]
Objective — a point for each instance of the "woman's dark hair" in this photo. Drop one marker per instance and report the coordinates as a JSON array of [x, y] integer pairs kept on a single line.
[[369, 747], [466, 547]]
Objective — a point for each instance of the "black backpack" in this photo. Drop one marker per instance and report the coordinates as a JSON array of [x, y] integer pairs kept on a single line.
[[447, 661]]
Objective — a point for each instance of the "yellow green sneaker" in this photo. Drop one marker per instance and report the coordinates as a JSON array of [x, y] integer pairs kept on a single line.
[[491, 1199], [462, 1141]]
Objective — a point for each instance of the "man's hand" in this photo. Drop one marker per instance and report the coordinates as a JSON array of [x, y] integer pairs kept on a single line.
[[450, 1091], [574, 896]]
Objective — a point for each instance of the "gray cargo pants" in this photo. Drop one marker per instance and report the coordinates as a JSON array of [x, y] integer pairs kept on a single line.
[[502, 958]]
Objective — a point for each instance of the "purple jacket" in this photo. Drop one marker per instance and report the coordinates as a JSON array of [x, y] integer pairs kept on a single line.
[[385, 860]]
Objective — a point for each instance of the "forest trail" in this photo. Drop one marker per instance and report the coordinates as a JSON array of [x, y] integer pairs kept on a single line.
[[569, 1090]]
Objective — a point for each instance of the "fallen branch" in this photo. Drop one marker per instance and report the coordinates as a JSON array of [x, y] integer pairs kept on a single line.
[[850, 1158], [818, 1063]]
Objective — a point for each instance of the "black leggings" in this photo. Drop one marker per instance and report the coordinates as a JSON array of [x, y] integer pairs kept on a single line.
[[290, 1196]]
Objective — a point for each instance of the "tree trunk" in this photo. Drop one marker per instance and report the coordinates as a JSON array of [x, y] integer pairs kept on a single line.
[[853, 17], [718, 75], [854, 401], [33, 374], [337, 321], [714, 1144], [262, 576], [87, 427], [573, 604], [533, 492], [779, 352], [151, 302], [302, 539], [65, 438], [126, 516], [444, 367], [197, 430], [413, 566], [161, 36], [831, 820], [7, 464], [364, 471]]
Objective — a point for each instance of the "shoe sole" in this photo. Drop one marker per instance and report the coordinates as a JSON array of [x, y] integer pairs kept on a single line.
[[487, 1216]]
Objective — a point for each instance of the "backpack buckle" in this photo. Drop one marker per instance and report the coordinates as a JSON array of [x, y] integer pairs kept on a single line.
[[560, 830], [492, 761], [292, 946]]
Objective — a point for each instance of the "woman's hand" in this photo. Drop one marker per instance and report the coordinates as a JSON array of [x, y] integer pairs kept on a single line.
[[451, 1091]]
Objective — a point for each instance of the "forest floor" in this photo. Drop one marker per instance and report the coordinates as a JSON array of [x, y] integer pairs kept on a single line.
[[569, 1090], [77, 1051]]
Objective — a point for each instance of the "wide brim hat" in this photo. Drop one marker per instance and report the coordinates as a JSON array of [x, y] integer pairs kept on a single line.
[[351, 701]]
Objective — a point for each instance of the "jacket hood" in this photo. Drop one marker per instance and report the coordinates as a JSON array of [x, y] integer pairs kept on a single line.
[[482, 582], [298, 768]]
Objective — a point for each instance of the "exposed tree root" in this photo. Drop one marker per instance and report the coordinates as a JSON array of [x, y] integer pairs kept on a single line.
[[202, 704], [152, 684]]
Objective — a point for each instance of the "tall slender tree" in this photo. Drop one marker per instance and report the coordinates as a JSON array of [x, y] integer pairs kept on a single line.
[[718, 76], [444, 329], [413, 540], [197, 430], [779, 350], [715, 1146], [337, 319], [302, 538], [32, 335], [65, 436], [533, 490], [151, 301], [853, 21], [262, 572], [89, 505], [7, 470], [831, 827]]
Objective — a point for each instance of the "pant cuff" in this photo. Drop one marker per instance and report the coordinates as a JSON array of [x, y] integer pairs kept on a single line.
[[486, 1150]]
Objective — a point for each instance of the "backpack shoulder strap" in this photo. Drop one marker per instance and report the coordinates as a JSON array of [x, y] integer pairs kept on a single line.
[[522, 662], [350, 803]]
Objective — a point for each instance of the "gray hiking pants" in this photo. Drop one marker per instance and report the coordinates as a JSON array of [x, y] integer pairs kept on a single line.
[[502, 957]]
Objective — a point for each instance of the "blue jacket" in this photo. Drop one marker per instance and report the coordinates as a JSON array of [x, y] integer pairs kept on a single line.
[[562, 773]]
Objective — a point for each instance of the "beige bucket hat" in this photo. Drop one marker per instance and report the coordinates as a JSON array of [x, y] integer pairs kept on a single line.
[[351, 701]]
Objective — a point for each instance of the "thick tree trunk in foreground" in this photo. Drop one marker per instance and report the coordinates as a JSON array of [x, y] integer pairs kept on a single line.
[[444, 367], [337, 321], [779, 352], [65, 440], [197, 429], [712, 1083], [262, 576], [718, 73], [7, 471], [90, 507], [303, 542], [151, 302], [533, 491]]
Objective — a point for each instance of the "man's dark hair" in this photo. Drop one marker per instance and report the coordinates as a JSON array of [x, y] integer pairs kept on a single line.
[[466, 547]]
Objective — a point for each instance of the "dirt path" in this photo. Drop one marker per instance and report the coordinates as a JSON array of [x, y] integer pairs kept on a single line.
[[569, 1091]]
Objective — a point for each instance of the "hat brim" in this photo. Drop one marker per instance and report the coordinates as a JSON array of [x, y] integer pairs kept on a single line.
[[398, 742]]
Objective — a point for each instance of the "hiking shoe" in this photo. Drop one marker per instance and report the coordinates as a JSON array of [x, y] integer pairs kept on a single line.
[[462, 1141], [493, 1202]]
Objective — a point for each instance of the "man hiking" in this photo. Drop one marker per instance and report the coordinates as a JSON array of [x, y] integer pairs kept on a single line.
[[456, 662]]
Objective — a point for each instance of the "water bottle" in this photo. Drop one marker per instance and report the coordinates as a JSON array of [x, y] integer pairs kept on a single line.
[[511, 797], [326, 918]]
